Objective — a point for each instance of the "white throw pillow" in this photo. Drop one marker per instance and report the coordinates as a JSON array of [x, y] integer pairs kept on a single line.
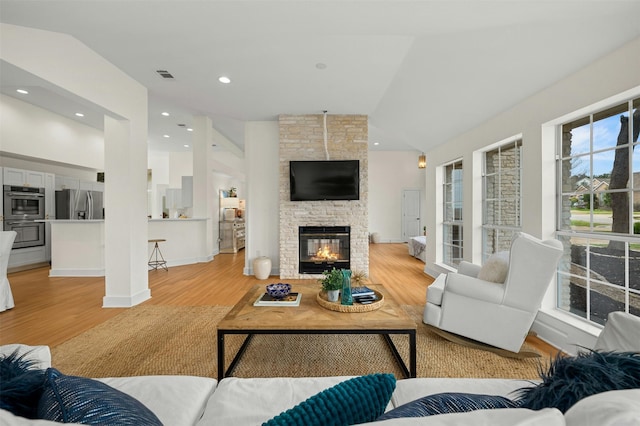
[[613, 408], [495, 268]]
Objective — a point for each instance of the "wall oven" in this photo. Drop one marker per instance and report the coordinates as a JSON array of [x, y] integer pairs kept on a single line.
[[22, 206]]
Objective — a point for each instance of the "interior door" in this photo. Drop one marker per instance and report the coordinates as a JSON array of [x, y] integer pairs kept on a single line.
[[410, 213]]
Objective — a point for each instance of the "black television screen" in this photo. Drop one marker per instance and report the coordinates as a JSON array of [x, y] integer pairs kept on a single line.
[[324, 180]]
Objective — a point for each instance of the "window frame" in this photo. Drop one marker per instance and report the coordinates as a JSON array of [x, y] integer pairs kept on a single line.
[[592, 238], [489, 246], [450, 223]]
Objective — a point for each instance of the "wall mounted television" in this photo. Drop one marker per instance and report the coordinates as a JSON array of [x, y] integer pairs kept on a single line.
[[324, 180]]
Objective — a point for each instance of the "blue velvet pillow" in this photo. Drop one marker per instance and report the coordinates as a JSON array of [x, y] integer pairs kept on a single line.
[[71, 399], [20, 385], [569, 379], [358, 400], [444, 403]]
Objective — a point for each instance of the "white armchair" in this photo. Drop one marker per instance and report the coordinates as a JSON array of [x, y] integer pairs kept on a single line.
[[6, 242], [498, 314]]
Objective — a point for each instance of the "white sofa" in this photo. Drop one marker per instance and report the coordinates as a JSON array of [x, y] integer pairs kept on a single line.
[[186, 400]]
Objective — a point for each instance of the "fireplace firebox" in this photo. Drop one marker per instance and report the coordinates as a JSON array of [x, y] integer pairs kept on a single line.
[[323, 248]]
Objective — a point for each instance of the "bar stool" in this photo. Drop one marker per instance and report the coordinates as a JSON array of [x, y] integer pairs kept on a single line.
[[156, 260]]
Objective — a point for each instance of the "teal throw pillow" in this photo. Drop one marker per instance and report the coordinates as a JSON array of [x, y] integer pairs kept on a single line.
[[358, 400], [71, 399]]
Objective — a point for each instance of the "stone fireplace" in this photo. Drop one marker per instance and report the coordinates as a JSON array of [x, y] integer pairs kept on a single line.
[[323, 248], [302, 138]]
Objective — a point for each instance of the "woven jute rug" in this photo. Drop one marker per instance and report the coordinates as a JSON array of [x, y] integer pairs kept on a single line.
[[148, 340]]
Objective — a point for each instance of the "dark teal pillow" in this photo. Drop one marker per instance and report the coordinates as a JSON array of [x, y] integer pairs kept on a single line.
[[570, 379], [358, 400], [445, 403], [71, 399]]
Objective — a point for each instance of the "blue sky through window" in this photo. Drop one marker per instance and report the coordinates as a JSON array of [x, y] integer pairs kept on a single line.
[[605, 137]]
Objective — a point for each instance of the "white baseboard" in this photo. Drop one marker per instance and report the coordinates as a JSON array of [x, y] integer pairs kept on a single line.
[[76, 272], [126, 301]]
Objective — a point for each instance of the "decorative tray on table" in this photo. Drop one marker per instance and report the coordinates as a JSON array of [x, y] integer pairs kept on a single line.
[[356, 307]]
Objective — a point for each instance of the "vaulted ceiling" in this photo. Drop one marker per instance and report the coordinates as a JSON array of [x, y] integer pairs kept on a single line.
[[423, 71]]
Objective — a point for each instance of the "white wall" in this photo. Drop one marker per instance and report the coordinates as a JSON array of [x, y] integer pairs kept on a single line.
[[180, 164], [611, 75], [262, 161], [30, 131], [391, 172]]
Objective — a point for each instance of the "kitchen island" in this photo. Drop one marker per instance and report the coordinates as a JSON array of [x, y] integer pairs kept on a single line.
[[77, 246]]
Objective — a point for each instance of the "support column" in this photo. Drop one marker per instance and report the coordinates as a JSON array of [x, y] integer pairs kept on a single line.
[[203, 192], [126, 275]]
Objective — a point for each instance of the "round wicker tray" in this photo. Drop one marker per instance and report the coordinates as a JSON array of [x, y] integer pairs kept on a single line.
[[356, 307]]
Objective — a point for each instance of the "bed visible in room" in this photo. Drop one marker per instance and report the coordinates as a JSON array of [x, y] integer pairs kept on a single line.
[[416, 247]]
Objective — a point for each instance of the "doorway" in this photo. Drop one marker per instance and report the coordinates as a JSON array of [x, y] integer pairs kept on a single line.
[[410, 214]]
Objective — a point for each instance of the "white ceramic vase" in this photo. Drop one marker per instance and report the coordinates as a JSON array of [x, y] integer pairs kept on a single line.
[[262, 267], [333, 295]]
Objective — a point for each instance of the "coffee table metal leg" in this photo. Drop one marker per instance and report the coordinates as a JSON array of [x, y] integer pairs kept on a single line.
[[411, 371], [413, 368], [236, 359], [220, 355]]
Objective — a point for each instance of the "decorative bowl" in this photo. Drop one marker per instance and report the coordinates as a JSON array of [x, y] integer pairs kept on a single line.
[[279, 290]]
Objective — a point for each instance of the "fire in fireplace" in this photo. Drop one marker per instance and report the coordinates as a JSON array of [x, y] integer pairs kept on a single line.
[[323, 248]]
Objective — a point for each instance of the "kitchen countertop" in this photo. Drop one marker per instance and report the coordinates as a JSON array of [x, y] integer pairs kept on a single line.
[[179, 219], [188, 219], [71, 220]]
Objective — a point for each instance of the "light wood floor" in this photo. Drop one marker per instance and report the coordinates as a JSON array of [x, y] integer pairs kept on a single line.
[[50, 311]]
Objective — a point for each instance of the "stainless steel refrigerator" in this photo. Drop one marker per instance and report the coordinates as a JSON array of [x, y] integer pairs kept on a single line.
[[79, 204]]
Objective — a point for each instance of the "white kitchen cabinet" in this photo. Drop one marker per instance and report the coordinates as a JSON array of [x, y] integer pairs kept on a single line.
[[187, 191], [19, 177], [173, 199], [66, 182], [86, 186]]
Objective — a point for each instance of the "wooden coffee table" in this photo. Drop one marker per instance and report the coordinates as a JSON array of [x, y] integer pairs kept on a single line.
[[311, 318]]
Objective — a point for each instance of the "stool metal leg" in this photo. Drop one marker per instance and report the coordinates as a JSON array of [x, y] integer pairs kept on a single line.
[[156, 260]]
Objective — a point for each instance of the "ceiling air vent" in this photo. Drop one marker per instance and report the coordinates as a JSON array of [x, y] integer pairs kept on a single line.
[[182, 125], [164, 74]]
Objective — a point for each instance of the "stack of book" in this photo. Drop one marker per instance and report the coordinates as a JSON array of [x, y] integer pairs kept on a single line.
[[363, 295]]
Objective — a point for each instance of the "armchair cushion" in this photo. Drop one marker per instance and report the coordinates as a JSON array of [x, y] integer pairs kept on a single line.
[[474, 288], [435, 290], [495, 268], [621, 333], [468, 268]]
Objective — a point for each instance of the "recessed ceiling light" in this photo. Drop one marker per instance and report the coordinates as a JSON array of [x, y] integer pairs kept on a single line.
[[166, 114], [79, 114], [376, 143], [24, 92], [225, 80], [189, 129], [166, 136], [186, 146]]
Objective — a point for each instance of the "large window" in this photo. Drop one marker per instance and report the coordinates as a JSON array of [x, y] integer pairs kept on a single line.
[[599, 213], [501, 197], [452, 214]]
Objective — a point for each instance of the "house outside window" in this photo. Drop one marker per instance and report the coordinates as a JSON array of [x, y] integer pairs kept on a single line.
[[452, 214], [501, 197], [599, 213]]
